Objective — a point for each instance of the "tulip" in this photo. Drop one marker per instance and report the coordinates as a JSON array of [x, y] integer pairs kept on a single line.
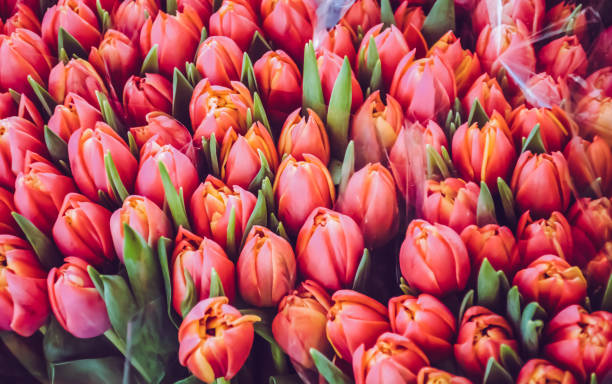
[[76, 18], [280, 82], [29, 111], [142, 95], [75, 301], [77, 76], [558, 15], [537, 172], [426, 321], [481, 334], [354, 320], [24, 17], [430, 375], [8, 8], [289, 24], [8, 107], [425, 87], [300, 136], [144, 217], [82, 230], [451, 202], [220, 60], [375, 128], [40, 190], [239, 158], [182, 172], [211, 206], [370, 200], [555, 126], [362, 14], [237, 20], [599, 269], [164, 129], [542, 90], [117, 56], [589, 161], [393, 358], [329, 65], [23, 288], [214, 109], [598, 83], [527, 12], [464, 63], [433, 259], [17, 137], [563, 56], [300, 323], [75, 113], [593, 114], [544, 236], [591, 222], [339, 40], [203, 8], [300, 187], [198, 257], [391, 46], [494, 243], [176, 36], [580, 342], [23, 54], [266, 268], [490, 95], [541, 371], [409, 12], [8, 226], [129, 17]]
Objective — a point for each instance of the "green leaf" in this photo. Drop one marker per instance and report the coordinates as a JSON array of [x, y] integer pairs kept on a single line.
[[171, 7], [259, 113], [258, 47], [534, 142], [373, 56], [109, 115], [447, 160], [491, 286], [59, 345], [216, 286], [363, 272], [435, 163], [103, 17], [406, 289], [249, 117], [468, 301], [477, 114], [264, 172], [606, 301], [231, 234], [142, 267], [46, 100], [162, 253], [593, 379], [440, 20], [496, 374], [209, 150], [328, 370], [203, 36], [133, 146], [485, 209], [193, 75], [247, 75], [348, 166], [376, 78], [150, 63], [286, 379], [181, 97], [507, 199], [339, 113], [191, 297], [189, 380], [312, 91], [510, 360], [27, 351], [266, 188], [335, 170], [102, 370], [119, 301], [44, 248], [119, 191], [532, 325], [259, 216], [386, 13], [513, 308], [280, 230], [57, 147], [174, 200], [68, 43], [106, 201], [15, 95]]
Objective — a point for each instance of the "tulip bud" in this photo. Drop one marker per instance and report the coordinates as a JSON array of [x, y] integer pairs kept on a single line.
[[375, 128], [528, 12], [75, 113], [300, 136], [23, 54], [563, 56], [542, 90], [214, 109], [339, 40], [117, 56], [300, 323], [410, 12], [599, 268], [433, 259], [237, 20], [464, 63], [558, 15], [494, 243], [541, 371], [332, 267], [17, 137], [370, 200], [489, 94], [202, 8], [555, 126], [77, 76], [533, 171], [82, 230], [393, 358], [481, 334], [355, 319], [198, 257], [76, 18], [591, 222], [451, 202], [598, 83], [300, 187], [426, 321], [593, 115], [8, 107], [544, 236], [364, 14], [211, 206], [589, 161], [40, 190], [23, 18], [144, 217], [580, 342], [142, 95], [164, 129], [212, 349], [129, 17], [8, 226], [176, 36], [329, 65], [220, 60], [239, 159], [430, 375], [182, 172], [23, 292]]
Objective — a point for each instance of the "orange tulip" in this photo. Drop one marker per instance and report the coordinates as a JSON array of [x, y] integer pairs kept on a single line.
[[451, 202], [493, 242], [527, 12], [562, 57], [220, 60], [301, 135], [430, 375], [599, 268], [204, 8], [24, 17], [409, 12], [490, 95], [591, 222], [544, 236], [541, 371], [589, 161], [164, 129], [555, 126], [339, 40], [463, 62]]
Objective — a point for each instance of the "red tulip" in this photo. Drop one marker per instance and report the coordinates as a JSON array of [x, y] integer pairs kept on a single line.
[[543, 237], [211, 206], [433, 259], [144, 217], [300, 187], [481, 334], [355, 319], [23, 54], [77, 76], [451, 202], [198, 257], [164, 129], [23, 290], [82, 230], [8, 226], [237, 20], [541, 371], [555, 126], [117, 56], [534, 172], [24, 17], [301, 135], [527, 12], [589, 161], [409, 12], [598, 83], [542, 90], [362, 14], [29, 111], [559, 14], [9, 7], [490, 95], [591, 222], [220, 60], [495, 243], [393, 358], [426, 321], [339, 40], [75, 113], [17, 137], [329, 65], [76, 18], [40, 190], [8, 107], [599, 268], [430, 375], [213, 349], [203, 8], [182, 172], [580, 342], [142, 95], [593, 115], [370, 200], [129, 17], [563, 56]]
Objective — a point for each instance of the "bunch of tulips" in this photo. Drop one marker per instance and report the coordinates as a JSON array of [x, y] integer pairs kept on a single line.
[[287, 191]]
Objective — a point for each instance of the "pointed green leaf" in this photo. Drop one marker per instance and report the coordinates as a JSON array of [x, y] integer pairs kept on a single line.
[[119, 191], [231, 234], [606, 302], [258, 47], [162, 254], [339, 113], [363, 272], [312, 92], [513, 307], [191, 298], [203, 35], [133, 146], [15, 95], [119, 301], [193, 75], [280, 230], [485, 209], [68, 43], [266, 187], [181, 97], [46, 100], [507, 199], [216, 286], [440, 20], [189, 380], [175, 202], [532, 325], [103, 17], [327, 369], [259, 113], [348, 166], [435, 161], [488, 286], [570, 23], [142, 267], [247, 76], [335, 170], [171, 7], [286, 379], [373, 56], [376, 78], [593, 379], [264, 171], [406, 289], [510, 360], [467, 302], [44, 248], [259, 216], [447, 160], [386, 13], [534, 142], [109, 115], [495, 373], [477, 114], [249, 117], [150, 63], [57, 147]]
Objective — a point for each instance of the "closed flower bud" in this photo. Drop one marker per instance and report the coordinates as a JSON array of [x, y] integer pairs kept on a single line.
[[555, 126], [544, 236], [329, 65], [24, 17], [528, 12], [364, 14], [237, 20], [130, 15], [339, 40], [76, 18], [431, 375], [541, 371], [75, 113], [142, 95], [589, 161], [77, 76], [17, 137], [451, 202], [117, 56], [464, 63], [591, 222], [301, 135], [562, 57], [494, 243], [219, 60], [490, 95], [164, 129]]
